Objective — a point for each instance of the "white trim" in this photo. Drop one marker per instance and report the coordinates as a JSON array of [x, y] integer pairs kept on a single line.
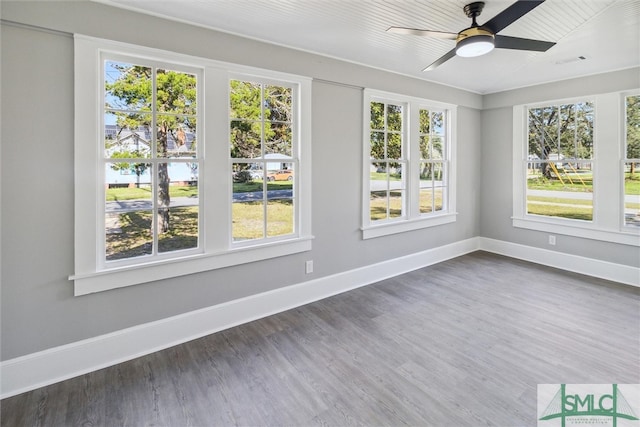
[[164, 269], [46, 367], [591, 267], [215, 249], [412, 218], [57, 364], [387, 228]]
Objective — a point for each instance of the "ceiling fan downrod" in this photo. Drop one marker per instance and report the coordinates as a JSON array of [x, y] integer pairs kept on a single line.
[[473, 10]]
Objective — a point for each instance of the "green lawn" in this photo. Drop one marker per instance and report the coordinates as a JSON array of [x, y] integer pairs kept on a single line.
[[585, 213], [129, 233], [132, 237], [248, 219], [378, 203]]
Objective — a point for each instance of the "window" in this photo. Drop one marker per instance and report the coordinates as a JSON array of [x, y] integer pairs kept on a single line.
[[173, 179], [264, 161], [387, 185], [631, 174], [565, 155], [408, 166], [559, 167], [151, 160], [433, 164]]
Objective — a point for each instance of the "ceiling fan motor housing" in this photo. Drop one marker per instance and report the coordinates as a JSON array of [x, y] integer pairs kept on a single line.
[[474, 41]]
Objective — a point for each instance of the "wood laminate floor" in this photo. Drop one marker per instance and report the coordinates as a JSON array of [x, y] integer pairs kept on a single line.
[[461, 343]]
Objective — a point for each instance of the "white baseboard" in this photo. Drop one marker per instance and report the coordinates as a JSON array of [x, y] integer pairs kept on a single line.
[[589, 266], [57, 364], [46, 367]]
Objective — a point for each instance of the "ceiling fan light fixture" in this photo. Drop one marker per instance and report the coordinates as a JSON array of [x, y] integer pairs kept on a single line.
[[474, 41]]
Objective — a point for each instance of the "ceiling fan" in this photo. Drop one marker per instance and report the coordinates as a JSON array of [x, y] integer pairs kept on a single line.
[[481, 39]]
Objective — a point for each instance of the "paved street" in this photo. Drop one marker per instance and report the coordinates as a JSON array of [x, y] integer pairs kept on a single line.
[[129, 205]]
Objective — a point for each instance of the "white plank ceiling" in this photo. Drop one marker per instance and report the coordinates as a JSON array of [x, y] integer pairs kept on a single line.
[[604, 32]]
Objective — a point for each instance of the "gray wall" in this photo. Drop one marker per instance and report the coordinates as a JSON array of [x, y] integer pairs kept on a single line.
[[38, 308], [497, 170]]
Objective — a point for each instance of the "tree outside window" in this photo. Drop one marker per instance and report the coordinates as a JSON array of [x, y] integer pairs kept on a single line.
[[150, 117], [559, 161]]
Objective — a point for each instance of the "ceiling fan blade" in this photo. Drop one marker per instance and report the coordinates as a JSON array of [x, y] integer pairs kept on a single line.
[[447, 56], [506, 42], [511, 14], [424, 33]]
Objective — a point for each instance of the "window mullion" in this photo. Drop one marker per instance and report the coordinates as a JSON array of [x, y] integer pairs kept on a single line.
[[154, 163], [215, 182], [265, 192]]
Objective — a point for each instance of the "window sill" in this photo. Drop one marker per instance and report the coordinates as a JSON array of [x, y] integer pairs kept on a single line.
[[572, 228], [389, 228], [137, 274]]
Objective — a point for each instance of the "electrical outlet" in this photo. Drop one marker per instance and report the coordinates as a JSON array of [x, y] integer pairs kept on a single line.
[[308, 267], [552, 240]]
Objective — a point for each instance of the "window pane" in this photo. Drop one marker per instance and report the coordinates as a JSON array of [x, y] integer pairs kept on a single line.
[[278, 139], [246, 139], [437, 150], [378, 205], [394, 117], [247, 220], [175, 136], [285, 173], [128, 204], [377, 145], [396, 201], [128, 234], [584, 130], [175, 92], [560, 189], [278, 104], [394, 146], [124, 142], [425, 122], [425, 147], [437, 123], [127, 86], [279, 215], [247, 177], [127, 174], [377, 115], [183, 232], [245, 100]]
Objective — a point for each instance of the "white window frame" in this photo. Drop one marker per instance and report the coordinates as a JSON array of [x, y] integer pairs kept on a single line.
[[294, 159], [215, 248], [607, 224], [412, 219]]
